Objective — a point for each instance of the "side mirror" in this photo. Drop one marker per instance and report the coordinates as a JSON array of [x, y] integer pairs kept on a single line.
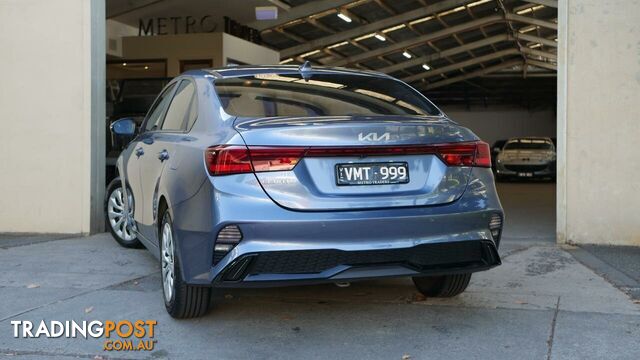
[[124, 127]]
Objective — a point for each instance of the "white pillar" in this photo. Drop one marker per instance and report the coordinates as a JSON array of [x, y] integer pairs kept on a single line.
[[599, 122], [52, 115]]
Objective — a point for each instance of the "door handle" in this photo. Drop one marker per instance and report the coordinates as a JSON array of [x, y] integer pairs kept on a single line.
[[139, 152], [163, 155]]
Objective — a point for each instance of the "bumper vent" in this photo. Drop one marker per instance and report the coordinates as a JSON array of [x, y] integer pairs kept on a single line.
[[495, 226], [426, 257], [226, 240]]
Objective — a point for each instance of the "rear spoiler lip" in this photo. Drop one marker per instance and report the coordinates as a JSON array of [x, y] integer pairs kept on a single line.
[[244, 123]]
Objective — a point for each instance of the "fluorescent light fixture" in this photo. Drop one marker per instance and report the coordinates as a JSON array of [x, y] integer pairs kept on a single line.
[[146, 68], [421, 20], [426, 67], [124, 64], [310, 53], [337, 45], [527, 29], [407, 54], [344, 17], [285, 61], [266, 13], [528, 10], [380, 37], [445, 13], [360, 38], [394, 28], [535, 46], [480, 2]]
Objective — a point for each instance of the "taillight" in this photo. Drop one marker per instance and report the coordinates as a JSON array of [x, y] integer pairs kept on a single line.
[[232, 159], [275, 158], [465, 154], [227, 160]]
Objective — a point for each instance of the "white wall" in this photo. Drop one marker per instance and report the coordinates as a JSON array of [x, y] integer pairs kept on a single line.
[[498, 123], [599, 121], [115, 32], [215, 46], [48, 86], [247, 52]]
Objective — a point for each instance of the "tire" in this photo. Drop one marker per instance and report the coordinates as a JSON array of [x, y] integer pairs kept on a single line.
[[442, 286], [180, 299], [121, 226]]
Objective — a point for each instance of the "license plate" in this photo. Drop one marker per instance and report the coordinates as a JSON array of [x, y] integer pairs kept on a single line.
[[372, 173], [525, 174]]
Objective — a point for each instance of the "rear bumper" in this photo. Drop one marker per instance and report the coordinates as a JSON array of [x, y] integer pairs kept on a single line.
[[281, 246], [526, 170], [277, 268]]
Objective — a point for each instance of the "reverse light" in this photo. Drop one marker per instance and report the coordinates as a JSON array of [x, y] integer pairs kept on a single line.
[[495, 226], [226, 240], [232, 159]]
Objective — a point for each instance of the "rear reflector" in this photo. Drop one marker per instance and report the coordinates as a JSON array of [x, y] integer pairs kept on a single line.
[[232, 159]]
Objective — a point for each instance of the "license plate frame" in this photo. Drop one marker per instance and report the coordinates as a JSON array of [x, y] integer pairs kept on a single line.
[[375, 178]]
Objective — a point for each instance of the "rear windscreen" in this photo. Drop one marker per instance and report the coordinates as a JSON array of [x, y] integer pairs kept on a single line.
[[529, 144], [270, 95]]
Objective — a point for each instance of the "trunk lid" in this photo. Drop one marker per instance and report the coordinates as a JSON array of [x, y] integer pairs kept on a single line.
[[312, 184]]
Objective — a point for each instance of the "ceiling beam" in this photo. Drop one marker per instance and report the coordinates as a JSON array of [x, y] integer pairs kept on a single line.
[[444, 53], [420, 40], [547, 3], [534, 52], [474, 74], [370, 28], [531, 21], [299, 12], [119, 8], [537, 39], [460, 65], [542, 64]]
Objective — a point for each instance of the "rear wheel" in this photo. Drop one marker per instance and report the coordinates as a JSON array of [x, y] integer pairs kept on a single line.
[[180, 299], [442, 286], [119, 211]]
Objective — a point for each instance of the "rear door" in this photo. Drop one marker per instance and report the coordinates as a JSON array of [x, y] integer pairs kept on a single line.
[[159, 145], [141, 152]]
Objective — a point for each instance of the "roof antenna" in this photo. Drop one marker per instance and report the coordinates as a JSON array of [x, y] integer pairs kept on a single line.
[[305, 70]]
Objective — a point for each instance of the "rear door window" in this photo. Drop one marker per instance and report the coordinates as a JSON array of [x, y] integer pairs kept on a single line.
[[180, 111], [157, 111]]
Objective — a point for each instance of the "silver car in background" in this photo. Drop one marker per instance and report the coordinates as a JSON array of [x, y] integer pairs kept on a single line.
[[527, 157]]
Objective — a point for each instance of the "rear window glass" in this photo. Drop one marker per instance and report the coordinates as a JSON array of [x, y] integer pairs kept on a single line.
[[529, 144], [270, 95]]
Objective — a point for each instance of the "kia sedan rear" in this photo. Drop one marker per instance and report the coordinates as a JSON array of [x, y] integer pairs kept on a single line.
[[284, 175]]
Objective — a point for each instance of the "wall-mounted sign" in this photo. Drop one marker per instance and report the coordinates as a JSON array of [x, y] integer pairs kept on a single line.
[[177, 25], [195, 24]]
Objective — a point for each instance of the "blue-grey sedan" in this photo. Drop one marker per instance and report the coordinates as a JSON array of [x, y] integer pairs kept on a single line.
[[283, 175]]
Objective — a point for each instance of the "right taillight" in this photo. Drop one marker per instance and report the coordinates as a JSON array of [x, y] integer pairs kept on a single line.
[[465, 154]]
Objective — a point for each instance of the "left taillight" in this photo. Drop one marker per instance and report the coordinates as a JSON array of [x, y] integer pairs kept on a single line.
[[227, 160]]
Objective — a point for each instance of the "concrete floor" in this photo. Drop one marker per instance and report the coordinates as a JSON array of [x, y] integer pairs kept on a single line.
[[540, 304]]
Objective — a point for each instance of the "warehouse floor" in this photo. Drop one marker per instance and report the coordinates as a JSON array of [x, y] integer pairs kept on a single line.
[[541, 303]]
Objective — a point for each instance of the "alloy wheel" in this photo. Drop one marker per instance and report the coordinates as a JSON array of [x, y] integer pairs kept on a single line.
[[168, 270], [120, 214]]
